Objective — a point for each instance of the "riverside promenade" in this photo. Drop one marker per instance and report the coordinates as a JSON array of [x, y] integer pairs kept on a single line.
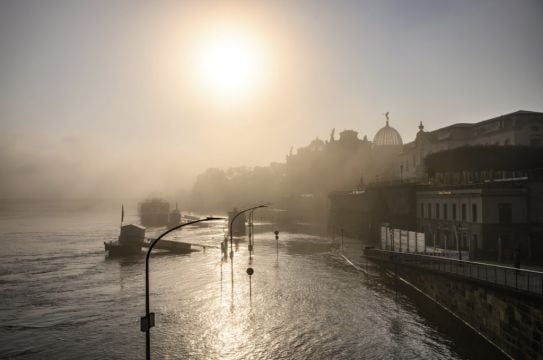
[[503, 304]]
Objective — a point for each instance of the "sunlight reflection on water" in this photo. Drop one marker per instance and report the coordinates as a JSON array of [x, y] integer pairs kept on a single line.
[[62, 299]]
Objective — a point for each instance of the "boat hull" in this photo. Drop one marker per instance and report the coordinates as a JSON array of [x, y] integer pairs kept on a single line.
[[116, 250]]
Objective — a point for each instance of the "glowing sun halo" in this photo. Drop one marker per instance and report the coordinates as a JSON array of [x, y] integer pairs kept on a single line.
[[230, 65]]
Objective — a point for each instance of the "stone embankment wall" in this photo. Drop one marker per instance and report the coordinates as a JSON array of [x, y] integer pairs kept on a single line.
[[510, 319]]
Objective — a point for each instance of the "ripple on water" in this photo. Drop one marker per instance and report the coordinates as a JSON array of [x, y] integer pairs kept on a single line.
[[62, 299]]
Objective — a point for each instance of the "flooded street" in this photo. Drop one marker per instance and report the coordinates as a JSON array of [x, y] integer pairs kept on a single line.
[[61, 298]]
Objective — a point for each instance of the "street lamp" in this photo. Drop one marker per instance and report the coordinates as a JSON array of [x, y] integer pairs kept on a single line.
[[148, 321], [277, 243], [252, 231], [232, 241], [232, 222]]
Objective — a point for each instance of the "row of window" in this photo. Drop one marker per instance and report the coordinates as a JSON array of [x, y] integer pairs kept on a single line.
[[441, 211]]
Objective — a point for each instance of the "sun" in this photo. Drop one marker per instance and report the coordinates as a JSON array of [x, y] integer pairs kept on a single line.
[[230, 64]]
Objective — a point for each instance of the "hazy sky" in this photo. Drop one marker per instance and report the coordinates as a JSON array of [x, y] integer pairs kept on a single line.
[[103, 97]]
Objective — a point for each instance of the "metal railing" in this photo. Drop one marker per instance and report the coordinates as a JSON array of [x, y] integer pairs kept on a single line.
[[518, 279]]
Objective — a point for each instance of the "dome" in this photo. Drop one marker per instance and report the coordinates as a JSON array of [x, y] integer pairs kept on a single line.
[[387, 136]]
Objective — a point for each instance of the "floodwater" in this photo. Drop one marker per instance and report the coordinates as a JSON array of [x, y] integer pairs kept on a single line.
[[62, 299]]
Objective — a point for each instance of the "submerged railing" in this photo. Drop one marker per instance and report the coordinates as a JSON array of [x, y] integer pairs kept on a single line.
[[518, 279]]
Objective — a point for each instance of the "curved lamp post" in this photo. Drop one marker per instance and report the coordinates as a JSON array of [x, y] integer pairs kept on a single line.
[[231, 241], [251, 232], [148, 321], [252, 226], [232, 222]]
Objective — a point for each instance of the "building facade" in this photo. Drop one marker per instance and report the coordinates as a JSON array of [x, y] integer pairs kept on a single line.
[[517, 128], [484, 200], [488, 220], [473, 189]]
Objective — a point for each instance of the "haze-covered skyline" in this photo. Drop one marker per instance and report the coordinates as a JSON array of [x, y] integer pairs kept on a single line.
[[103, 98]]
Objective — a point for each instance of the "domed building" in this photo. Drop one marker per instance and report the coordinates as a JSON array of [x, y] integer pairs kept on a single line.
[[387, 136], [387, 146]]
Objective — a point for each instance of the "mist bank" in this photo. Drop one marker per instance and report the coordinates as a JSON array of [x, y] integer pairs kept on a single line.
[[94, 171], [38, 167], [301, 185]]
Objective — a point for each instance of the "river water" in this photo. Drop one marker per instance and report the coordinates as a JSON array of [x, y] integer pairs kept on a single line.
[[62, 299]]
